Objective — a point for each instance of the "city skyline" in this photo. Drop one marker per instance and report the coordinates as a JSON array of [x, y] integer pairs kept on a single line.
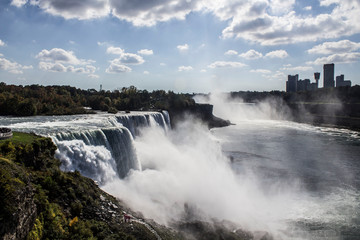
[[294, 84], [179, 45]]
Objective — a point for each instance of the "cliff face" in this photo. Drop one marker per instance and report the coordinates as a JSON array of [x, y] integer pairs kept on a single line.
[[17, 202], [203, 112]]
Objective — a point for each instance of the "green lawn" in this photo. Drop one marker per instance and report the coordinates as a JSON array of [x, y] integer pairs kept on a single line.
[[19, 137]]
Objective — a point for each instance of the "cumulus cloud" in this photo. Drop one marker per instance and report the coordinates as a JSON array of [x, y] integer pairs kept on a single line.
[[185, 68], [146, 72], [60, 60], [117, 67], [59, 67], [131, 58], [289, 27], [231, 52], [277, 54], [337, 58], [2, 43], [308, 8], [183, 48], [18, 3], [251, 54], [115, 50], [124, 57], [148, 13], [146, 52], [335, 47], [267, 22], [12, 67], [226, 64], [61, 55]]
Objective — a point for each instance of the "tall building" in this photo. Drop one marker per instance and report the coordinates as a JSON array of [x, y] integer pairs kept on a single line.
[[340, 82], [317, 77], [329, 75], [291, 84]]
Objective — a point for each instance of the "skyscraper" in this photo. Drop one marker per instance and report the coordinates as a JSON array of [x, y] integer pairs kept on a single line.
[[329, 75], [291, 84]]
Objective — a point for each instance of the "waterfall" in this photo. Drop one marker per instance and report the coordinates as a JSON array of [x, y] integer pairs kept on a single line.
[[106, 152], [135, 122]]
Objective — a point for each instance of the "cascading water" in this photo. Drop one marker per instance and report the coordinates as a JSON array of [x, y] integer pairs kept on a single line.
[[100, 146]]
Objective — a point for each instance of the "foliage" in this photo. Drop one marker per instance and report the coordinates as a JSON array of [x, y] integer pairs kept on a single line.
[[59, 100]]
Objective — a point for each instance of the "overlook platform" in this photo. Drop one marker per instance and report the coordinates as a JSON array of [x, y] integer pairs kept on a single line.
[[5, 133]]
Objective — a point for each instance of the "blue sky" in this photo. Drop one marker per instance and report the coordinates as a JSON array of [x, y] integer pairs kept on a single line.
[[179, 45]]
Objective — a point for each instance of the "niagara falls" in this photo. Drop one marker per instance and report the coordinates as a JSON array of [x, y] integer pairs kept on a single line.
[[263, 173]]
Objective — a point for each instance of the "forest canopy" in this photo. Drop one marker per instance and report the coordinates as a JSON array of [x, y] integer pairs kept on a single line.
[[65, 100]]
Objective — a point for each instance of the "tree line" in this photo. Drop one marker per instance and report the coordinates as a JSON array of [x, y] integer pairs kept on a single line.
[[33, 100]]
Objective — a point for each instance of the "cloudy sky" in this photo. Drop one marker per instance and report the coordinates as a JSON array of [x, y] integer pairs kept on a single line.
[[180, 45]]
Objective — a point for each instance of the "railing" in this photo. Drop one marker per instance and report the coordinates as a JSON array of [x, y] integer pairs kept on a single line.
[[5, 133]]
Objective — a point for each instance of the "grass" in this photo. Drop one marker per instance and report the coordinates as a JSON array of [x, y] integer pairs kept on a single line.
[[19, 137]]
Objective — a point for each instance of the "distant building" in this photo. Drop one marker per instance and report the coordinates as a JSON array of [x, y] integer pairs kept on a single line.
[[317, 77], [329, 75], [340, 82], [303, 85], [291, 84]]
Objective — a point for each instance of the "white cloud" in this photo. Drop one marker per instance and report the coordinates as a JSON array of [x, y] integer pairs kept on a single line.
[[298, 68], [59, 67], [183, 48], [231, 52], [266, 22], [125, 58], [148, 13], [131, 58], [335, 47], [115, 50], [251, 54], [281, 6], [62, 56], [263, 71], [203, 71], [146, 72], [117, 67], [226, 64], [2, 43], [162, 64], [18, 3], [277, 54], [308, 8], [337, 58], [146, 52], [60, 60], [185, 68], [289, 27], [12, 67]]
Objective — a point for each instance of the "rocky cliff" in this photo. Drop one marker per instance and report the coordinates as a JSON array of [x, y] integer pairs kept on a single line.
[[203, 112]]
